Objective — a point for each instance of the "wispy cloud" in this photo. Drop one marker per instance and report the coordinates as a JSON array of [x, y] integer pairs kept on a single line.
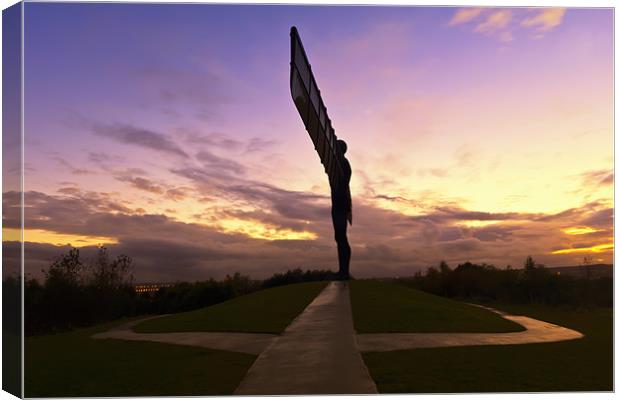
[[220, 163], [213, 139], [503, 24], [136, 136], [259, 144], [71, 168], [545, 19], [464, 15], [598, 177], [495, 21], [142, 184]]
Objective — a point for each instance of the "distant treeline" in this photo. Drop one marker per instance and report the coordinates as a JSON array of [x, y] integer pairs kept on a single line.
[[77, 292], [532, 284]]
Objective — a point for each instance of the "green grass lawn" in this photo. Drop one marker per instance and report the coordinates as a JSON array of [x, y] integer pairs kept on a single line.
[[74, 365], [11, 361], [579, 365], [389, 307], [265, 311]]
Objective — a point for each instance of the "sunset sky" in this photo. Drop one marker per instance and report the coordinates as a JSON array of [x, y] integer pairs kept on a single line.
[[168, 133]]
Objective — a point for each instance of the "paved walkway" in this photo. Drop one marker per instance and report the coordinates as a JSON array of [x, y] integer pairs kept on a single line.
[[536, 332], [251, 343], [319, 352], [316, 354]]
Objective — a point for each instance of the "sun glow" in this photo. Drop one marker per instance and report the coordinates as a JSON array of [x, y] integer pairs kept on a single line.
[[55, 238], [477, 223], [259, 230], [579, 230], [599, 248]]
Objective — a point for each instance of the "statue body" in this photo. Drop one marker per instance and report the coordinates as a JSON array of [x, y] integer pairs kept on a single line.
[[342, 213]]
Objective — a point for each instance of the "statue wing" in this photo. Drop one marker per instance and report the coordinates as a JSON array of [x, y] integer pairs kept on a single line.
[[307, 98]]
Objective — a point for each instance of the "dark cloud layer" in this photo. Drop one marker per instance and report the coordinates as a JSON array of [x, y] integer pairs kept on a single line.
[[384, 242]]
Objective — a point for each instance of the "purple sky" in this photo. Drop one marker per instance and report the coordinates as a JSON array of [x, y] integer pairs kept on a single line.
[[167, 132]]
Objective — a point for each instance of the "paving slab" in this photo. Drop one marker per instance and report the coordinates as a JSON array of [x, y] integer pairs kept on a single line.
[[250, 343], [316, 354], [536, 332]]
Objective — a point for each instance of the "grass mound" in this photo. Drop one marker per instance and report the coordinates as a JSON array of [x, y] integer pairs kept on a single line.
[[576, 365], [265, 311], [388, 307], [75, 365]]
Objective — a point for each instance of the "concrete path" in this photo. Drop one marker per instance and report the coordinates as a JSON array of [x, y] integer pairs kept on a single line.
[[251, 343], [319, 352], [316, 354], [536, 332]]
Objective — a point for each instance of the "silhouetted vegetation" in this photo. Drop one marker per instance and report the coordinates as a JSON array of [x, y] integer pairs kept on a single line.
[[11, 305], [78, 293], [75, 292], [298, 276], [186, 296], [532, 284]]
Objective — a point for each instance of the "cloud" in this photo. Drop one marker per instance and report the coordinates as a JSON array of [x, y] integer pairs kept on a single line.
[[494, 21], [102, 159], [71, 168], [148, 185], [598, 177], [226, 142], [465, 156], [494, 233], [545, 20], [443, 214], [142, 184], [177, 194], [503, 24], [129, 134], [600, 219], [385, 242], [214, 139], [220, 163], [464, 15], [183, 92], [257, 144]]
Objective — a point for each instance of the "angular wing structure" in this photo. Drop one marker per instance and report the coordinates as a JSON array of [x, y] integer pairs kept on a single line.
[[307, 98]]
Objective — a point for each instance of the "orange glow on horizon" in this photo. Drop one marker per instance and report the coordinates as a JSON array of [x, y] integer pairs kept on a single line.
[[579, 230], [55, 238], [477, 223], [259, 230], [599, 248]]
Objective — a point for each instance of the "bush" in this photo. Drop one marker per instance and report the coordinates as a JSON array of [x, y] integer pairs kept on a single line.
[[532, 284], [75, 293], [298, 276]]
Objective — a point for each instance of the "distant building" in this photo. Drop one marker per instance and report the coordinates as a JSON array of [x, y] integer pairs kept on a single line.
[[150, 287]]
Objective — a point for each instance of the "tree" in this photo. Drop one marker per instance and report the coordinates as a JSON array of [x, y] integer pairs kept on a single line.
[[65, 270], [529, 263], [107, 274]]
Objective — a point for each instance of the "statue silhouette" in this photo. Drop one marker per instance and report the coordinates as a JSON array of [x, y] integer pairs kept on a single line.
[[307, 98], [342, 212]]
